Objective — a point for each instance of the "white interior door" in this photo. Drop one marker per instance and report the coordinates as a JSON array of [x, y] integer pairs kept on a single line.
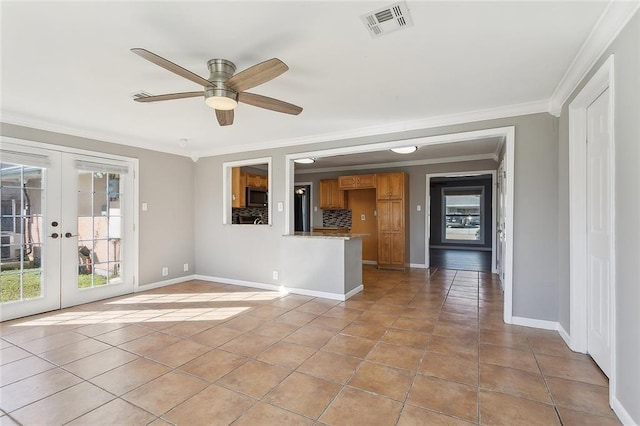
[[599, 232], [67, 229]]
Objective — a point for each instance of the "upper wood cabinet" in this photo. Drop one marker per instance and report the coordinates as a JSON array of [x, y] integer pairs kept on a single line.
[[390, 185], [257, 181], [331, 197], [238, 187], [356, 182]]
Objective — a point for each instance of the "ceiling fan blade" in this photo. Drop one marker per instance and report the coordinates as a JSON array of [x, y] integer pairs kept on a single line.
[[225, 117], [268, 103], [168, 96], [170, 66], [257, 74]]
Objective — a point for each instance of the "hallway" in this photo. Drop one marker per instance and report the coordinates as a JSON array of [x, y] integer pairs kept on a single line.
[[414, 347], [465, 260]]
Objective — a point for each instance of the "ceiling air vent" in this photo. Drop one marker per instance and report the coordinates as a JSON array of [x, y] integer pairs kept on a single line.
[[388, 19]]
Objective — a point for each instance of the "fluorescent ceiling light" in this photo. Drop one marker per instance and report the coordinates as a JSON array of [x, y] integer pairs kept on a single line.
[[305, 160], [405, 149]]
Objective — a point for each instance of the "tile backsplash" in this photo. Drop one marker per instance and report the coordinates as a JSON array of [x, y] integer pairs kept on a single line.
[[340, 218], [262, 212]]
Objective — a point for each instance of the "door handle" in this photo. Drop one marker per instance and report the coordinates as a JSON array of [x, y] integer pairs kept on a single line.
[[69, 235], [54, 235]]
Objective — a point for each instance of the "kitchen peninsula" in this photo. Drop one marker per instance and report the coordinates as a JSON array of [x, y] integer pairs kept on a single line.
[[325, 265]]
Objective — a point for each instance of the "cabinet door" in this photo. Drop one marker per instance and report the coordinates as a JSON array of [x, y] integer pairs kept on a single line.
[[338, 196], [390, 185], [384, 248], [384, 216], [347, 182], [396, 252], [325, 193], [238, 188], [366, 181]]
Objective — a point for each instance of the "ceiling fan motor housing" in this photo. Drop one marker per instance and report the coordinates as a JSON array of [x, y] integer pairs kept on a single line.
[[221, 70]]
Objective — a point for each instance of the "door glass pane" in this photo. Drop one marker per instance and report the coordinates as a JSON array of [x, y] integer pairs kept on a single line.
[[99, 228], [21, 194], [462, 217]]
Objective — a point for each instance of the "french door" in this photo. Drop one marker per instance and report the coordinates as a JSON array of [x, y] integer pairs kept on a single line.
[[67, 228]]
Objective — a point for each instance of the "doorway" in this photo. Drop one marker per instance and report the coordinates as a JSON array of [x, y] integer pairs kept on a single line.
[[461, 221], [67, 228], [302, 207]]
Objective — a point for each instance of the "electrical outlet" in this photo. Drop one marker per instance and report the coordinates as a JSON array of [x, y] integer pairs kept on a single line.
[[275, 274], [165, 271], [363, 217], [315, 208], [419, 207], [186, 267], [145, 206], [280, 206]]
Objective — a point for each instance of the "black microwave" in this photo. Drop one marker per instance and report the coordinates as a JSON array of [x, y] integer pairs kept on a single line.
[[257, 197]]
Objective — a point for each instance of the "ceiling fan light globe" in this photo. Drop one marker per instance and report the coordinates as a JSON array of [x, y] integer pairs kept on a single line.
[[221, 102], [220, 98]]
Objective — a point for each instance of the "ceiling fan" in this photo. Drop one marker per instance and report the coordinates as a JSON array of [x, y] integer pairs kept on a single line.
[[223, 90]]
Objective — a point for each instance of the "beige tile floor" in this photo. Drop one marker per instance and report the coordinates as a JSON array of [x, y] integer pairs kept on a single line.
[[415, 347]]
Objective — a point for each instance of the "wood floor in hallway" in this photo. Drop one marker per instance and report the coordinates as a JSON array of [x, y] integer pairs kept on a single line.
[[415, 347]]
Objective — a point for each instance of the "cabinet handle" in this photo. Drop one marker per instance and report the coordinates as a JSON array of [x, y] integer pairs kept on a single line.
[[54, 235], [69, 235]]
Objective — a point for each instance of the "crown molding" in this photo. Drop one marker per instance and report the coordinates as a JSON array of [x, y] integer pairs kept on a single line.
[[389, 129], [611, 22], [458, 159], [17, 119]]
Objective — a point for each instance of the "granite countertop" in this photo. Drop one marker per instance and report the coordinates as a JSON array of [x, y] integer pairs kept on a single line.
[[334, 236]]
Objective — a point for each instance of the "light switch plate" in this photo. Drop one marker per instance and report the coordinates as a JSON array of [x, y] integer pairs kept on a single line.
[[144, 207], [419, 207], [280, 206]]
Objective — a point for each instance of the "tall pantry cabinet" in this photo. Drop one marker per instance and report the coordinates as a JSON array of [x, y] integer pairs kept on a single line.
[[392, 192]]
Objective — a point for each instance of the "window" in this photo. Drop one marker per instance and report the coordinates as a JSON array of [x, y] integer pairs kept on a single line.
[[462, 215]]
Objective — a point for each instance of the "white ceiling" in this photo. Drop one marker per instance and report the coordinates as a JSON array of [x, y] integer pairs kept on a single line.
[[66, 66]]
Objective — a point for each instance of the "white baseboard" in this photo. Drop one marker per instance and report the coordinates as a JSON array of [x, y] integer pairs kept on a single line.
[[272, 287], [535, 323], [164, 283], [417, 265], [622, 414], [565, 336]]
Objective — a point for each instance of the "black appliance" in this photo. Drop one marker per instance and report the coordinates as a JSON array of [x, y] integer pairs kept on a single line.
[[257, 197]]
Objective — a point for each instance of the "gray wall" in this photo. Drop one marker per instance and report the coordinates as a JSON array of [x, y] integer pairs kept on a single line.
[[166, 229], [626, 48], [250, 254]]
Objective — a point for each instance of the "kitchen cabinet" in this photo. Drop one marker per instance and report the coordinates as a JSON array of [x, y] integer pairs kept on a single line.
[[257, 181], [393, 221], [331, 197], [356, 182], [238, 188], [391, 185]]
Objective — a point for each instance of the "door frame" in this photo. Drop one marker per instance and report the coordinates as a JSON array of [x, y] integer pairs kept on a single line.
[[603, 79], [427, 214], [508, 135], [134, 162]]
